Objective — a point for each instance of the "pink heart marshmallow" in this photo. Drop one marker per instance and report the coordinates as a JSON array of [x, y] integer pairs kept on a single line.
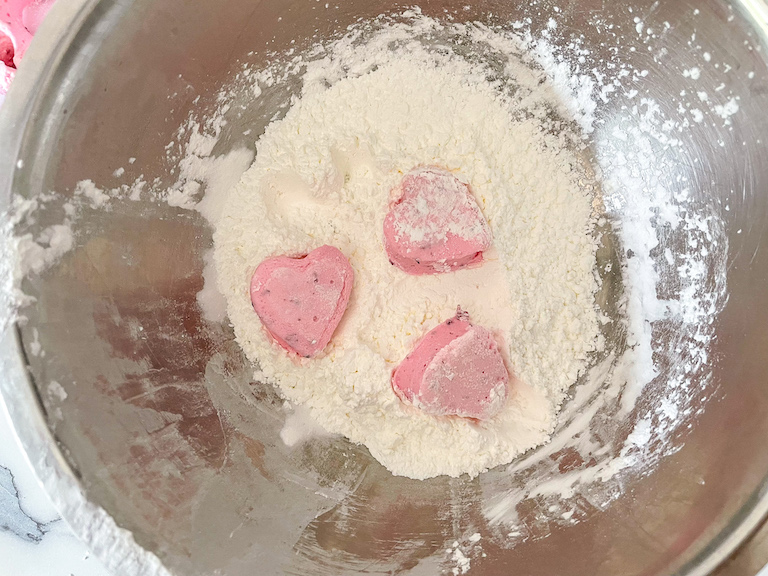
[[435, 224], [300, 301], [456, 369]]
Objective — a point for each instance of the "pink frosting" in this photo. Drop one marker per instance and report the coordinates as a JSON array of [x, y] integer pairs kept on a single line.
[[301, 301], [435, 224], [456, 370]]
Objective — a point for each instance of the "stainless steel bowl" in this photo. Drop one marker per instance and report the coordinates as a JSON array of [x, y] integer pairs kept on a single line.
[[164, 434]]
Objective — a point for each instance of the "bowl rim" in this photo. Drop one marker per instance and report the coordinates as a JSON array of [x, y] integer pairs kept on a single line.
[[70, 25]]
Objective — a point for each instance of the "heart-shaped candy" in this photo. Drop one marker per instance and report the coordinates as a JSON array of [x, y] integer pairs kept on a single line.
[[456, 369], [435, 224], [301, 301]]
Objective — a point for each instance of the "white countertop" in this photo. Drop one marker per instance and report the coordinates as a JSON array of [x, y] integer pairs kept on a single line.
[[34, 540]]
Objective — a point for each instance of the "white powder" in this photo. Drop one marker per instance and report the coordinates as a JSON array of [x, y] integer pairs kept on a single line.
[[692, 73], [323, 175], [299, 426], [56, 390], [452, 212], [88, 189], [11, 296], [35, 348], [639, 181], [644, 181], [727, 110], [38, 254], [462, 562]]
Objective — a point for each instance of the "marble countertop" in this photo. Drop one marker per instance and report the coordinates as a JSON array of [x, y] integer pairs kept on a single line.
[[34, 540]]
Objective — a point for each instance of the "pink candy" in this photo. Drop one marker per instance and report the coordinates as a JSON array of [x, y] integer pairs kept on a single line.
[[19, 20], [301, 301], [454, 370], [7, 51], [435, 224]]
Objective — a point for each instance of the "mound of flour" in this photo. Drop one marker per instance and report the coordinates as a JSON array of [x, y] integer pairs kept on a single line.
[[323, 175]]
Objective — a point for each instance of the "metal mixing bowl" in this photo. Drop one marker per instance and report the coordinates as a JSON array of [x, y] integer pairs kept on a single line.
[[164, 430]]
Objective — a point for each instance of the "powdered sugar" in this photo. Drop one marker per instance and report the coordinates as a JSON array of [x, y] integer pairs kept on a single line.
[[89, 190], [37, 254], [671, 249], [456, 212], [323, 174], [641, 164]]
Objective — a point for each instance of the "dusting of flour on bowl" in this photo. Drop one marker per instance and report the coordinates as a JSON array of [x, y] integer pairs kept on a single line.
[[646, 183], [323, 175]]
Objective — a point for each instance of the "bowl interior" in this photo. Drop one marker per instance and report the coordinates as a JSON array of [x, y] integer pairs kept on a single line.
[[162, 422]]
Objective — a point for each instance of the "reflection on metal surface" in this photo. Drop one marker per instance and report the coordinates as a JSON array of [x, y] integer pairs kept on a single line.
[[759, 11]]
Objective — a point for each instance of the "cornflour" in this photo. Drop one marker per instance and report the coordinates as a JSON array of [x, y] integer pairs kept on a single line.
[[323, 175]]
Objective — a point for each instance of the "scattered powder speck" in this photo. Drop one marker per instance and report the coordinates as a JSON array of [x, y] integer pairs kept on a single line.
[[136, 190], [37, 254], [56, 390], [96, 195], [462, 562], [692, 73], [697, 115], [35, 347], [727, 110]]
